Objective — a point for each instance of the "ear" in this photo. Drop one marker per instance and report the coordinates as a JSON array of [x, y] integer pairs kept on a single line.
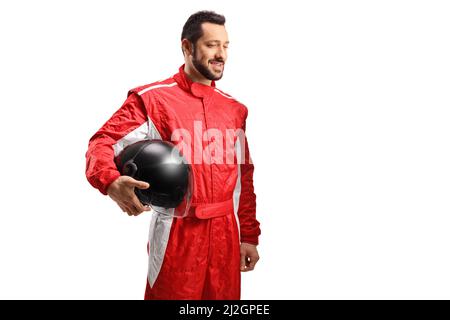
[[186, 46]]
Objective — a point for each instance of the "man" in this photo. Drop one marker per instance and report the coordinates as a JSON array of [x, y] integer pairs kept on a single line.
[[199, 256]]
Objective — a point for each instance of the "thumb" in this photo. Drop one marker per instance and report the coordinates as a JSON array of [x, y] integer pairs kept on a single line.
[[138, 184]]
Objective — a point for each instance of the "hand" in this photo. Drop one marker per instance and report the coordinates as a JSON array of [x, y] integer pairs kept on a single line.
[[249, 256], [122, 192]]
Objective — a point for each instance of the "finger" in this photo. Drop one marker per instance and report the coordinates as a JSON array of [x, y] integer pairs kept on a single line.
[[129, 211], [132, 210], [124, 206], [252, 263], [143, 185], [135, 211], [138, 205], [247, 264], [242, 262], [138, 184]]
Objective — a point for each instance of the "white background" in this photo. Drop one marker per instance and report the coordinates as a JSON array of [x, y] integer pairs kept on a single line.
[[348, 127]]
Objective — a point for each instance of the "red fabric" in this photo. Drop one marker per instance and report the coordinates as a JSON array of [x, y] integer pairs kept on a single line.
[[101, 170], [201, 262], [201, 255]]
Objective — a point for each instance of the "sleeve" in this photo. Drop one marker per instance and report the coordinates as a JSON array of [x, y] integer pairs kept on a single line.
[[127, 125], [249, 225]]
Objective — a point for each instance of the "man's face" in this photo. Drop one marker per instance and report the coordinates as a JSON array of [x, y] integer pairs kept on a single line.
[[210, 51]]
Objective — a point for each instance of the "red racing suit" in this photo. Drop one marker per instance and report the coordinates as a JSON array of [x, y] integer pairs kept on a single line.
[[197, 257]]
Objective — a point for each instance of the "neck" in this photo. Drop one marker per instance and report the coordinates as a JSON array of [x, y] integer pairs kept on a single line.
[[195, 76]]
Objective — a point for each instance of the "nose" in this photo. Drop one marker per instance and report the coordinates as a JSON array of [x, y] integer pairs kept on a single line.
[[221, 54]]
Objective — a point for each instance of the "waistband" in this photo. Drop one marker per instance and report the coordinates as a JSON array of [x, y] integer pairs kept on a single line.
[[212, 210]]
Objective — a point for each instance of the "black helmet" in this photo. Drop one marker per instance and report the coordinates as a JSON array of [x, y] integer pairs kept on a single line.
[[161, 165]]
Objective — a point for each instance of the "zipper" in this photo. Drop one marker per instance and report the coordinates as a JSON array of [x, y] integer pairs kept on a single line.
[[209, 151]]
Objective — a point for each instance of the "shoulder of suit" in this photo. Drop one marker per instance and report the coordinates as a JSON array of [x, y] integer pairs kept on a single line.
[[243, 109], [224, 94], [161, 84]]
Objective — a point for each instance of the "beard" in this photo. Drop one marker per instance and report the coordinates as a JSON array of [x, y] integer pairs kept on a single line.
[[203, 70]]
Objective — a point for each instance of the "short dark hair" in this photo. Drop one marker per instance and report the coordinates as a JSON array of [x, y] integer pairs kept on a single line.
[[192, 29]]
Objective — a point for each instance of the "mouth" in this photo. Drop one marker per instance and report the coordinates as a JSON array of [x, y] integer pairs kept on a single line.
[[217, 64]]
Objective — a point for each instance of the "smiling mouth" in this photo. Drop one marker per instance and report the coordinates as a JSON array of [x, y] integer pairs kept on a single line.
[[217, 64]]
